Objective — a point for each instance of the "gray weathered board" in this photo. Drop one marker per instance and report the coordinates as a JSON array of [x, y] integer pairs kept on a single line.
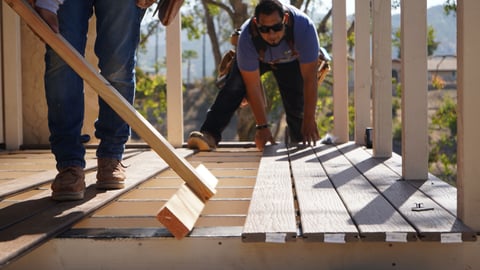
[[271, 215], [433, 224]]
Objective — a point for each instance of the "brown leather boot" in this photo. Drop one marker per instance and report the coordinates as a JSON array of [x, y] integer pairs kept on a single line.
[[110, 174], [69, 184], [201, 141]]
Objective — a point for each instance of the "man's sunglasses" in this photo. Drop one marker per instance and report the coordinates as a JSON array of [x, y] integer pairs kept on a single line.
[[276, 27]]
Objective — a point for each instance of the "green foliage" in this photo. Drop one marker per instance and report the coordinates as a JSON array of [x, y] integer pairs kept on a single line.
[[150, 100], [446, 116], [443, 152]]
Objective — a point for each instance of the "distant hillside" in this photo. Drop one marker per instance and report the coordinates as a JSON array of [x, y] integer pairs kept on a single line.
[[445, 29]]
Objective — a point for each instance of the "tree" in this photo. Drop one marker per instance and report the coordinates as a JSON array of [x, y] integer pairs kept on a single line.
[[187, 56]]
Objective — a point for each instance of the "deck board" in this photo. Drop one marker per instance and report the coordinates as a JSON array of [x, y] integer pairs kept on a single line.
[[28, 233], [271, 216], [432, 225], [375, 217], [323, 214], [323, 193]]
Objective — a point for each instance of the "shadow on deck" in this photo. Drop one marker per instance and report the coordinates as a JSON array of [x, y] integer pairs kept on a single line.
[[304, 207]]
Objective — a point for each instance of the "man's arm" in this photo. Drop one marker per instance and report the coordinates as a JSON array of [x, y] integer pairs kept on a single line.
[[309, 125], [257, 103]]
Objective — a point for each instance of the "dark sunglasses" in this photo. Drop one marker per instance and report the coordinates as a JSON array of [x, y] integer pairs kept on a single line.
[[276, 27]]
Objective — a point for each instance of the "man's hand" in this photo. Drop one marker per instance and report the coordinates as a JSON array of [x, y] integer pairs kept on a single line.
[[310, 132], [262, 136], [144, 3], [49, 17]]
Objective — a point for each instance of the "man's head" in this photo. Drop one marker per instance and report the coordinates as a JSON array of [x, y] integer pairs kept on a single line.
[[270, 19]]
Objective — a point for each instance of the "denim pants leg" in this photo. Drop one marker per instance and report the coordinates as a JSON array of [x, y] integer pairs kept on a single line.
[[225, 105], [118, 34], [64, 88], [290, 84]]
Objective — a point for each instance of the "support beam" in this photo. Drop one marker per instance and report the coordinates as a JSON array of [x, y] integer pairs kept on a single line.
[[414, 89], [340, 77], [12, 84], [382, 78], [174, 83], [362, 69], [468, 110]]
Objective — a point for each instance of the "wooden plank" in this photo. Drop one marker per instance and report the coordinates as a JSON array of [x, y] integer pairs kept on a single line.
[[435, 224], [20, 184], [182, 210], [116, 101], [438, 190], [375, 217], [271, 215], [322, 212], [27, 233]]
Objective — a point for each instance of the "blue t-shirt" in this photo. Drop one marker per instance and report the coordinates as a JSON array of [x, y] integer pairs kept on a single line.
[[305, 42]]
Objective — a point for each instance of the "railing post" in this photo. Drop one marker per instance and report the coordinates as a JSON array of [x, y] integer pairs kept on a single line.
[[362, 70], [468, 110], [340, 68], [174, 83], [414, 89], [12, 83], [382, 78]]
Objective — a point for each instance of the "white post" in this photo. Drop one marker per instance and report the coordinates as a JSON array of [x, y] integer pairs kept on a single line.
[[12, 78], [362, 69], [174, 83], [382, 78], [340, 72], [468, 110], [414, 89]]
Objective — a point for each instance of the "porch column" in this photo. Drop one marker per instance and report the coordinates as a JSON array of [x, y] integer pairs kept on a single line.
[[414, 89], [382, 78], [362, 69], [468, 111], [340, 75], [174, 83], [12, 78]]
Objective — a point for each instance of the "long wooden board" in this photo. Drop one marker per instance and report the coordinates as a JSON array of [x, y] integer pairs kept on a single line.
[[375, 217], [323, 215], [111, 96], [433, 223], [271, 215], [27, 233]]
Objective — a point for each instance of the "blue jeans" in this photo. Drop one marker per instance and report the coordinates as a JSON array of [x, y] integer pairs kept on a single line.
[[118, 31], [290, 84]]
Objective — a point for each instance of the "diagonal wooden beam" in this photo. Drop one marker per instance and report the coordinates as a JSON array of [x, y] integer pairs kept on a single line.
[[194, 180]]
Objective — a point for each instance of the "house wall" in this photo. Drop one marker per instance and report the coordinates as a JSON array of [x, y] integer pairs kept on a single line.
[[35, 124]]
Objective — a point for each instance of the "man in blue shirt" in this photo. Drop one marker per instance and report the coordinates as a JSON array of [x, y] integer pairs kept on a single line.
[[282, 39]]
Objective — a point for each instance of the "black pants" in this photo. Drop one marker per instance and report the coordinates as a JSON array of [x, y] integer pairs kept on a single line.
[[290, 84]]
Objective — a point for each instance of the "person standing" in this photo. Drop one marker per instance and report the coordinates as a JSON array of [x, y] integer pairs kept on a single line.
[[278, 38], [118, 33]]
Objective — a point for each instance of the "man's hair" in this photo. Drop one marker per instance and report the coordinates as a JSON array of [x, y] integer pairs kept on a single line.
[[268, 7]]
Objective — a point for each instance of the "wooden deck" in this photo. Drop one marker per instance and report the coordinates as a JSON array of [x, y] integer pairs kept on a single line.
[[324, 194]]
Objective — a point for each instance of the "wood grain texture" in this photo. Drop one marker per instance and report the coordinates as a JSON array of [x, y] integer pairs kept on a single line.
[[322, 213], [375, 217], [113, 98], [431, 225], [271, 215], [52, 218]]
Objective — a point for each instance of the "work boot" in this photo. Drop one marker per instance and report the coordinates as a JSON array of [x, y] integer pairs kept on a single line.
[[201, 141], [69, 184], [110, 174]]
